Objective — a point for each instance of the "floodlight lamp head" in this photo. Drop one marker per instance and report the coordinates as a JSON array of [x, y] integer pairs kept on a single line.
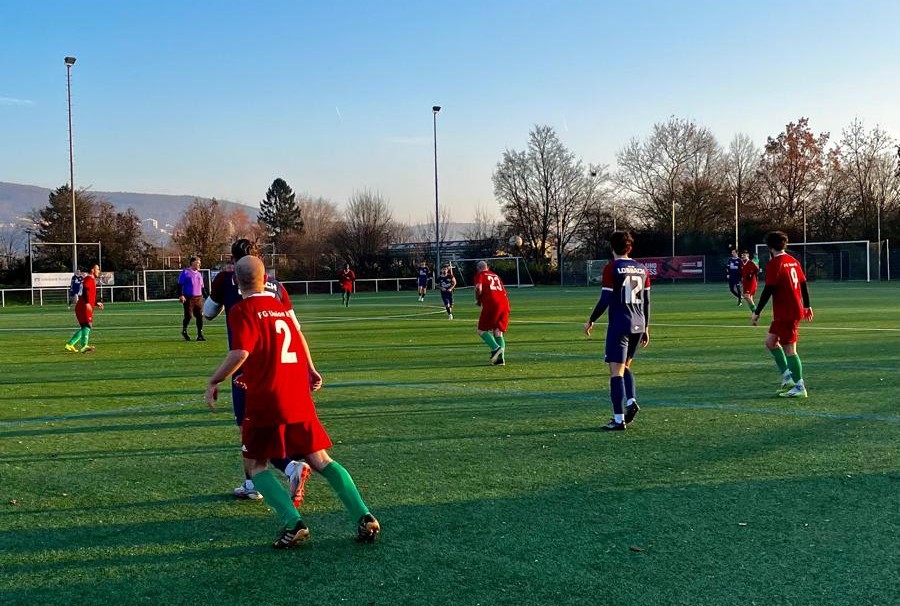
[[435, 108], [70, 60]]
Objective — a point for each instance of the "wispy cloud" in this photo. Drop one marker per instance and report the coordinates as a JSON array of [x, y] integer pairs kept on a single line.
[[339, 115], [409, 140], [14, 101]]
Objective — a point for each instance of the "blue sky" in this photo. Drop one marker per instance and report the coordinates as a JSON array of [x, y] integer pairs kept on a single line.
[[219, 98]]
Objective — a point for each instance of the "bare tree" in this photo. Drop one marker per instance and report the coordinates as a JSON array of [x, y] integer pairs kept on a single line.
[[13, 240], [742, 161], [792, 165], [863, 153], [315, 249], [424, 232], [366, 229], [655, 171], [483, 226], [202, 229], [543, 192]]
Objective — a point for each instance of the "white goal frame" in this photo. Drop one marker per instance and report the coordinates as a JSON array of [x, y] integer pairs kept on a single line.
[[521, 268], [207, 281], [761, 250]]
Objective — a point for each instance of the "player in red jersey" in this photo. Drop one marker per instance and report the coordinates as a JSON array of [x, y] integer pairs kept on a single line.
[[346, 277], [786, 286], [749, 284], [84, 312], [280, 417], [493, 321]]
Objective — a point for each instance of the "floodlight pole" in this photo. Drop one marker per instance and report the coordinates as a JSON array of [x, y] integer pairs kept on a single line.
[[878, 228], [437, 217], [70, 61]]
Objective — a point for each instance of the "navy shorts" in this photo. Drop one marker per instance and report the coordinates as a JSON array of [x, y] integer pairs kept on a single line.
[[238, 401], [423, 283], [447, 298], [621, 347]]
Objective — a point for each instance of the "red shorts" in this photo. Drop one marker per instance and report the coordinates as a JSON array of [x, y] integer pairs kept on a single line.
[[282, 441], [347, 286], [84, 317], [785, 330], [749, 287], [493, 317]]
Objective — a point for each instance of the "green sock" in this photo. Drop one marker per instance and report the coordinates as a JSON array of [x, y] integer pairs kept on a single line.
[[277, 498], [780, 360], [76, 337], [501, 341], [796, 367], [489, 339], [346, 490], [85, 336]]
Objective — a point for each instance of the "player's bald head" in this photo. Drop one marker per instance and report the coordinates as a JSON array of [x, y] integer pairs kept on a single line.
[[481, 266], [251, 274]]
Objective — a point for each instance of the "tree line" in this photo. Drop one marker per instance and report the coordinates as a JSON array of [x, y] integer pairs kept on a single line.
[[677, 186]]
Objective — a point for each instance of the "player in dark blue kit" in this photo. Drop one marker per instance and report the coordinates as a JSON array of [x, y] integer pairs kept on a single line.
[[733, 273], [626, 294], [422, 280], [447, 283], [225, 294]]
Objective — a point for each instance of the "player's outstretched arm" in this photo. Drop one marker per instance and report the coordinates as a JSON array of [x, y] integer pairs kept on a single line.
[[315, 379], [232, 362], [211, 309]]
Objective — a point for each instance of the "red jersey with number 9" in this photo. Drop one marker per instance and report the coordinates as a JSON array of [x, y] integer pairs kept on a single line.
[[493, 294], [784, 274], [275, 374]]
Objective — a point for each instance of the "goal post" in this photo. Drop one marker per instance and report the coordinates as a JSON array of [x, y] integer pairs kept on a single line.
[[839, 261], [162, 284], [512, 270]]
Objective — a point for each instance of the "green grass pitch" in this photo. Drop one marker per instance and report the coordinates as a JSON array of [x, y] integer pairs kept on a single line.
[[493, 485]]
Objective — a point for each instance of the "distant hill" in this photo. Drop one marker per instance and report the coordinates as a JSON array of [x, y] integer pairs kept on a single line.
[[20, 200]]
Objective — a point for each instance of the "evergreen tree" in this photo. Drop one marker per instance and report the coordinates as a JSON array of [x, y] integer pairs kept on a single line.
[[279, 211]]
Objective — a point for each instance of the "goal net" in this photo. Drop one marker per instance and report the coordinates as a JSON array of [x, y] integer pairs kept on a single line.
[[162, 284], [850, 260], [512, 270]]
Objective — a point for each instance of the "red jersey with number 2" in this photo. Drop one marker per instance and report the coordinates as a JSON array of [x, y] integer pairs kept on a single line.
[[784, 274], [276, 374], [493, 294]]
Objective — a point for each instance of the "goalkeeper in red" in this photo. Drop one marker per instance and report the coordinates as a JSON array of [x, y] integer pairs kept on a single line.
[[626, 294], [786, 286], [280, 418]]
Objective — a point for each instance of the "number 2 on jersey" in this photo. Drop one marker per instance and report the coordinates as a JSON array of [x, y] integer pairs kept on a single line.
[[287, 356]]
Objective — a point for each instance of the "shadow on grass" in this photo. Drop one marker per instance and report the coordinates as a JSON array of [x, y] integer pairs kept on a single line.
[[736, 543]]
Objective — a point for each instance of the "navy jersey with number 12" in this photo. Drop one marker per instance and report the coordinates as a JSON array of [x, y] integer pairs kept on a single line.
[[628, 283]]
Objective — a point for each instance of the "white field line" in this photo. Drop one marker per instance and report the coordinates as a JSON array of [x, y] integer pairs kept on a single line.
[[587, 398]]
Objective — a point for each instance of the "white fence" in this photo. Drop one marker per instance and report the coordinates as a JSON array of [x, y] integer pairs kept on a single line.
[[313, 287], [57, 295]]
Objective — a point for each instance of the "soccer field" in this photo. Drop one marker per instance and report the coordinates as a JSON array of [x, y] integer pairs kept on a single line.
[[493, 484]]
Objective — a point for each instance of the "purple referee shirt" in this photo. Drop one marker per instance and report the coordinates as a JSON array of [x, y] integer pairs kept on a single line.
[[191, 283]]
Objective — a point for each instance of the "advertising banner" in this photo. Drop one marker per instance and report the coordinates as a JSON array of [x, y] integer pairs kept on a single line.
[[64, 279], [688, 266]]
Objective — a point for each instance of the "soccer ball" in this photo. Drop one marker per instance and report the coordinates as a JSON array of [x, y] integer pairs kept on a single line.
[[515, 241]]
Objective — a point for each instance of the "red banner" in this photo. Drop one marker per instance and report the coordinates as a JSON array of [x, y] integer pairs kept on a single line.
[[674, 267]]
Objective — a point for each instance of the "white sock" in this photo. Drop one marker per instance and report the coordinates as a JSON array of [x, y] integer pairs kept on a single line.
[[248, 484], [289, 468], [630, 402], [619, 418]]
